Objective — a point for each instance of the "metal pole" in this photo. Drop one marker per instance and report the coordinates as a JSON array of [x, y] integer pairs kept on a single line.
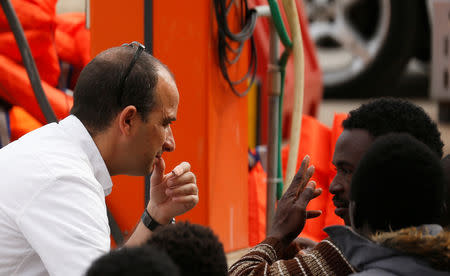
[[272, 147]]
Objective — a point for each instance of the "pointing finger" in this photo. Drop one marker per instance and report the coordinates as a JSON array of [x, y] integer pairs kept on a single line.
[[297, 181], [158, 169], [305, 180], [317, 192], [313, 214], [307, 194]]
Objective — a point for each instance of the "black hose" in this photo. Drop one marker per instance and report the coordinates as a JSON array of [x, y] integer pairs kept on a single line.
[[28, 61], [226, 38], [115, 229]]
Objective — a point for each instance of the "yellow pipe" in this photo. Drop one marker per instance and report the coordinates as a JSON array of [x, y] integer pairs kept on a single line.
[[299, 80]]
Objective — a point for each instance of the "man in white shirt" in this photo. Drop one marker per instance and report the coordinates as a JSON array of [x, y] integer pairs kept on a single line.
[[53, 181]]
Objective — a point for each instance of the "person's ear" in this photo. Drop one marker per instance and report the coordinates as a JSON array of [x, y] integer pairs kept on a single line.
[[127, 119]]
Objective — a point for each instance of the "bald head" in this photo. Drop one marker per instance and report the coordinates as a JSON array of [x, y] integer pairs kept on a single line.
[[107, 85]]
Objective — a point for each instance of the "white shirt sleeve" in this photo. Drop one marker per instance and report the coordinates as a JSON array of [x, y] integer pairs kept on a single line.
[[67, 225]]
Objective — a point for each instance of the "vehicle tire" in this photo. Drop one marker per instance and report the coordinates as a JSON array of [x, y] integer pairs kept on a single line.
[[386, 49]]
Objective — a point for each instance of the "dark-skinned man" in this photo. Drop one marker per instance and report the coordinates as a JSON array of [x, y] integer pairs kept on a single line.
[[364, 124]]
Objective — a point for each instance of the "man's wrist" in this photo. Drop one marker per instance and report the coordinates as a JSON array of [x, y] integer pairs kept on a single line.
[[280, 236], [156, 214], [151, 223]]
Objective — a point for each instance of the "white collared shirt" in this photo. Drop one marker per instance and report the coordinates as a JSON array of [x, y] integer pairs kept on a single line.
[[53, 183]]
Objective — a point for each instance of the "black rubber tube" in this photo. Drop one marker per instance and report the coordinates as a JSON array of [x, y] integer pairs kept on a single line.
[[28, 61], [115, 229]]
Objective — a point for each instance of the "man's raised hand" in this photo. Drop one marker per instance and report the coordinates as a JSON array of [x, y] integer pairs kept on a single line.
[[172, 194], [291, 214]]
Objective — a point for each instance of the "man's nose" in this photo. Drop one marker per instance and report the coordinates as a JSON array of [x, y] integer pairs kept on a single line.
[[335, 186], [169, 143]]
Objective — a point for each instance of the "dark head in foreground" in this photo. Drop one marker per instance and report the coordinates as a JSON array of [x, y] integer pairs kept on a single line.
[[194, 248], [137, 261], [364, 124], [399, 183]]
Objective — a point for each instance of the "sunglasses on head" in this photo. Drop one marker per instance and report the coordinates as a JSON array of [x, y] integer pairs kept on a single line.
[[139, 49]]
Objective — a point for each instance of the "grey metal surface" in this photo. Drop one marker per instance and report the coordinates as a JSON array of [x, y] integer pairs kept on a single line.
[[273, 113], [329, 19], [440, 79]]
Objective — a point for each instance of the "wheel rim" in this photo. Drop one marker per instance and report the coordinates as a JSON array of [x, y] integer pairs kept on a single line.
[[351, 52]]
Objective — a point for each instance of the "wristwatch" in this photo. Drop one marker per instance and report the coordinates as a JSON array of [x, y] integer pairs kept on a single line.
[[150, 222]]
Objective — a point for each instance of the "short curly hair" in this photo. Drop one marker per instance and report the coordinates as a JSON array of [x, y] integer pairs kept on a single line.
[[398, 183], [384, 115], [137, 261], [194, 248]]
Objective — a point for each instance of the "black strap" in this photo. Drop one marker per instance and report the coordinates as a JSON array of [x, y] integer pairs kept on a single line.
[[116, 233]]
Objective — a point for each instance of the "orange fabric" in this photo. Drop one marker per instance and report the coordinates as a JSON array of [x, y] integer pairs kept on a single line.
[[257, 201], [15, 88], [72, 39], [72, 43], [337, 129], [21, 122], [37, 19]]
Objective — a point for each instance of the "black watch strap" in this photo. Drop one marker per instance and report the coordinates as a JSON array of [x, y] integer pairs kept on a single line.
[[150, 222]]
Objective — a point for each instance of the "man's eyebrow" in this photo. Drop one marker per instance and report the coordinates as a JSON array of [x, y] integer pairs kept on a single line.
[[343, 163]]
